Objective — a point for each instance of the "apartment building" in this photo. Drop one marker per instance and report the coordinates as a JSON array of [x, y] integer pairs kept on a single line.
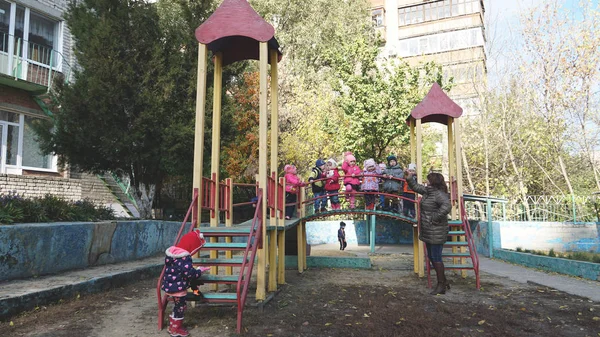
[[35, 52], [449, 32]]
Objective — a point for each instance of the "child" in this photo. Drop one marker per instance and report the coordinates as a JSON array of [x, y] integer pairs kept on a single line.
[[351, 176], [332, 184], [409, 197], [292, 187], [318, 186], [180, 275], [342, 236], [370, 182], [390, 186]]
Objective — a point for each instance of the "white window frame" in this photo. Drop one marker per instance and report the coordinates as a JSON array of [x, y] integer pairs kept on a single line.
[[18, 168]]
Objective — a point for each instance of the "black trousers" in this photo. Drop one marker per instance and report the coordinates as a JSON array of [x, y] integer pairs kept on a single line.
[[290, 198]]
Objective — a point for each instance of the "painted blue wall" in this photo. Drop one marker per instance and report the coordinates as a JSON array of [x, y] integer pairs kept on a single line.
[[387, 231], [562, 237], [39, 249]]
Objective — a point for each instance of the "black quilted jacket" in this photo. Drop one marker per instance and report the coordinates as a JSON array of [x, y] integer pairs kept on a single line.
[[435, 206]]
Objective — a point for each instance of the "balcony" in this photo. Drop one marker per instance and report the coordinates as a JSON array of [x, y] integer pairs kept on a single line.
[[29, 66]]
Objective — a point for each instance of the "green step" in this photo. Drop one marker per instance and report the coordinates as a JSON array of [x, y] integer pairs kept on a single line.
[[210, 278], [214, 262], [456, 243], [455, 222], [212, 297], [456, 233], [458, 266], [224, 246], [234, 231], [456, 254]]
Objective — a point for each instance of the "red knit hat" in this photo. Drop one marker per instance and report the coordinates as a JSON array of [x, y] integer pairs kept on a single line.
[[192, 241]]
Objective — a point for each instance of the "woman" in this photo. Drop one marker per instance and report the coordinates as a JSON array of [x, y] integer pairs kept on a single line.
[[435, 206]]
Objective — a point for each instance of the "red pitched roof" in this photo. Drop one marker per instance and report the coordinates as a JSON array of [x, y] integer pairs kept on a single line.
[[435, 107], [236, 30]]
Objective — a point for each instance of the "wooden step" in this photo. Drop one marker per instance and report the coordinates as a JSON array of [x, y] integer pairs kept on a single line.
[[458, 266], [456, 243], [456, 233], [224, 246], [213, 297], [218, 262], [457, 254], [225, 231], [227, 279], [455, 223]]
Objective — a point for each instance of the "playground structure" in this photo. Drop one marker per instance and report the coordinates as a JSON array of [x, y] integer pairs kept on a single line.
[[235, 32]]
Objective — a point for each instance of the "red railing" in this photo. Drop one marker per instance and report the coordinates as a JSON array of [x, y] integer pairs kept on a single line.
[[208, 194], [247, 264], [470, 243], [225, 197], [162, 300]]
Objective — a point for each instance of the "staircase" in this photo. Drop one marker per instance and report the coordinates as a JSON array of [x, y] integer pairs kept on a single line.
[[120, 193], [463, 252], [241, 265]]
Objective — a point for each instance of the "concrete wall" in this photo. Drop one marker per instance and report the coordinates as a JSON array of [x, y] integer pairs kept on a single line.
[[562, 237], [387, 232], [28, 250], [582, 269]]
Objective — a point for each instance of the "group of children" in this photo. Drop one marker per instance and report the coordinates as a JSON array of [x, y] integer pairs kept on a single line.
[[325, 183]]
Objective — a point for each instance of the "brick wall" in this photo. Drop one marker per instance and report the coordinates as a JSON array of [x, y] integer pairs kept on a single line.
[[18, 97], [80, 186], [35, 186]]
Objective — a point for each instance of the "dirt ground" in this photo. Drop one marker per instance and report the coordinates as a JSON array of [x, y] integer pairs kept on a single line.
[[387, 300]]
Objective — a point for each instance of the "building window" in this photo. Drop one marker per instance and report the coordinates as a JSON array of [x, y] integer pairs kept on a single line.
[[436, 10], [377, 16], [436, 43], [19, 147]]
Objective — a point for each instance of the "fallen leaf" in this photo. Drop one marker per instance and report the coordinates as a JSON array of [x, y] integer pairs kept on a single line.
[[481, 322], [305, 323], [563, 307], [128, 298], [328, 324], [11, 323], [348, 315], [365, 315], [596, 318]]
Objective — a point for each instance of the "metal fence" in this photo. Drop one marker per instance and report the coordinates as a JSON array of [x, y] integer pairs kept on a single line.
[[568, 208]]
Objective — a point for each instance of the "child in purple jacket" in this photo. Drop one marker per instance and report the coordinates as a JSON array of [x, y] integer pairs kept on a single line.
[[179, 275]]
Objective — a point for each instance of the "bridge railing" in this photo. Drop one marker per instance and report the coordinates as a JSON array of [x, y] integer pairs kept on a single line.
[[309, 198]]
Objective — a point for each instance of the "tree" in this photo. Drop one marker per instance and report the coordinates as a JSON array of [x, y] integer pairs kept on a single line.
[[377, 95], [131, 107]]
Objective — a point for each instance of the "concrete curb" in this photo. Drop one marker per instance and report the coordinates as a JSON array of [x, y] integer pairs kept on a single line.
[[10, 306]]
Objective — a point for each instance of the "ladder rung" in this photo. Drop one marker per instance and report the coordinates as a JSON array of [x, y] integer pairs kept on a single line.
[[458, 266], [224, 246], [209, 278], [218, 262], [456, 233], [213, 297], [456, 254], [456, 243], [225, 231], [455, 222]]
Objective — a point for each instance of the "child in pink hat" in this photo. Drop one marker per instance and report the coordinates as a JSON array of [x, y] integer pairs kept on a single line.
[[370, 182], [292, 187], [352, 173]]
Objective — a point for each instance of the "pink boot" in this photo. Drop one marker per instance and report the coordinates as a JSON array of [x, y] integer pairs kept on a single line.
[[175, 327]]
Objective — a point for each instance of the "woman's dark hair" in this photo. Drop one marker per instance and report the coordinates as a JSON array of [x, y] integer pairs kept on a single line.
[[436, 180]]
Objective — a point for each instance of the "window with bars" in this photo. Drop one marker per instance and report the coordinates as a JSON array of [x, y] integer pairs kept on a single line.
[[436, 10], [441, 42]]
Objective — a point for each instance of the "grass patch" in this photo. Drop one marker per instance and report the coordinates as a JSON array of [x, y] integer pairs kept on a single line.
[[578, 256]]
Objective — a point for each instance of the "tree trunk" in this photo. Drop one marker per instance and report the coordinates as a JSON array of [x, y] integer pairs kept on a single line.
[[563, 170], [144, 196]]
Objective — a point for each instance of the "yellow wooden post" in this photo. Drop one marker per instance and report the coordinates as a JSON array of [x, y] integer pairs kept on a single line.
[[274, 152], [419, 149], [451, 162], [281, 242], [459, 185], [199, 127], [413, 159], [262, 169], [229, 223]]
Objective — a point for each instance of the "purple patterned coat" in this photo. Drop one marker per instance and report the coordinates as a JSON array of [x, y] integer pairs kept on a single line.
[[179, 270]]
